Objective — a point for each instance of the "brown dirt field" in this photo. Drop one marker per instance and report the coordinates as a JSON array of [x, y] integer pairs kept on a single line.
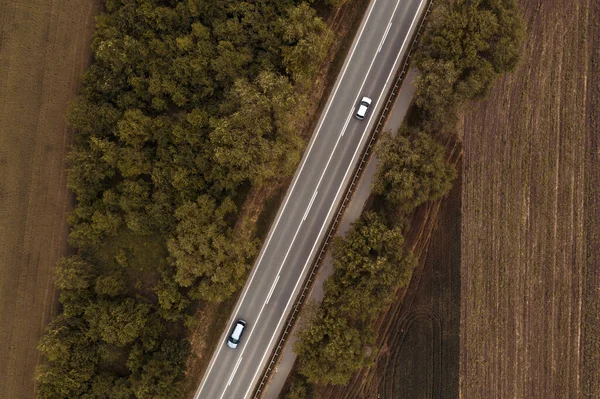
[[418, 337], [44, 47], [530, 283]]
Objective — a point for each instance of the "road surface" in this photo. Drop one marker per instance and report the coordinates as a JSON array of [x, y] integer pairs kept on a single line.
[[317, 189]]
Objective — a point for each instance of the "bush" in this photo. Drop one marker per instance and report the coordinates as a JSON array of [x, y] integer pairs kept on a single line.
[[369, 265], [467, 45], [412, 169]]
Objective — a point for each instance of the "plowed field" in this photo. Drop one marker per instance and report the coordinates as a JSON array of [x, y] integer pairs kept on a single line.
[[44, 47], [530, 280]]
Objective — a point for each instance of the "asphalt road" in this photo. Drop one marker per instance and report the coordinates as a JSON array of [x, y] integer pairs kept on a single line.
[[315, 192]]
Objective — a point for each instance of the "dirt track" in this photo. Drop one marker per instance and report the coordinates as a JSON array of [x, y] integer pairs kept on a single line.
[[44, 47], [530, 280]]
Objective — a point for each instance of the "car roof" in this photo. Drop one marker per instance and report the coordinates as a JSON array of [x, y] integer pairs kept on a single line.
[[239, 327]]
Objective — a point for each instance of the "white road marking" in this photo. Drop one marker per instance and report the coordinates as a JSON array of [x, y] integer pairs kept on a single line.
[[347, 120], [272, 289], [309, 205], [384, 36], [264, 304], [271, 232], [258, 369], [233, 372]]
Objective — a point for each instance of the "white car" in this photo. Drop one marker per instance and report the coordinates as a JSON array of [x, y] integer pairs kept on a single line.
[[236, 334], [363, 107]]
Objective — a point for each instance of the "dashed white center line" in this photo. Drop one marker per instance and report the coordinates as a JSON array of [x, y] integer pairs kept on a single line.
[[347, 120], [309, 205], [272, 289], [234, 371], [384, 36]]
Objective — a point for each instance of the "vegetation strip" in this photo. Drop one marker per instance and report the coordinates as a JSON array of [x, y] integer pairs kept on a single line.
[[467, 45], [186, 106], [357, 173]]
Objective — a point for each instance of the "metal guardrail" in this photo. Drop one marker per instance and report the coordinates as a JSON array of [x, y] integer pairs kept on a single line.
[[340, 211]]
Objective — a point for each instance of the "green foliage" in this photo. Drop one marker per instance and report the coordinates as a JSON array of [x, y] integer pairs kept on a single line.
[[111, 284], [158, 377], [333, 3], [106, 385], [204, 252], [467, 45], [170, 298], [90, 224], [73, 273], [117, 322], [307, 41], [185, 102], [369, 264], [72, 360], [331, 349], [88, 172], [298, 388], [412, 169], [257, 141]]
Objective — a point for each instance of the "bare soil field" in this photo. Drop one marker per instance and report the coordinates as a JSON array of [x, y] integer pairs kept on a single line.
[[530, 281], [44, 47]]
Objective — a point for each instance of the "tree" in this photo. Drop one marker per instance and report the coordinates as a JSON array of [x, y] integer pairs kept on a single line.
[[134, 128], [134, 200], [369, 263], [257, 140], [161, 374], [172, 301], [204, 251], [117, 322], [73, 273], [164, 136], [412, 169], [112, 283], [330, 350], [71, 360], [307, 40], [109, 385], [88, 172], [92, 223], [466, 46]]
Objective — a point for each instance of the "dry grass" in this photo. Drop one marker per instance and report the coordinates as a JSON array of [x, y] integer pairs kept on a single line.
[[44, 47], [530, 294]]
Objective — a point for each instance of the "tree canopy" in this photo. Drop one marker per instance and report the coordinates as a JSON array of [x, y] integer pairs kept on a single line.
[[412, 169], [467, 45], [185, 106], [370, 263]]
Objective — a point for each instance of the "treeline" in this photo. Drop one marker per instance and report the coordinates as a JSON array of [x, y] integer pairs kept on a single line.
[[466, 46], [368, 264], [187, 104]]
